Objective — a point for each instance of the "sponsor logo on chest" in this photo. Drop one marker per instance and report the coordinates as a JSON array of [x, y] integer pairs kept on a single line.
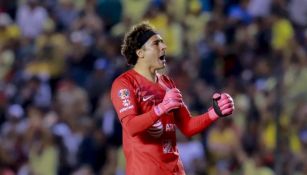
[[170, 127]]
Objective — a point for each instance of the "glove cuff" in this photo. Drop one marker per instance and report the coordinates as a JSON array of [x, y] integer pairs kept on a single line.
[[158, 111], [212, 114]]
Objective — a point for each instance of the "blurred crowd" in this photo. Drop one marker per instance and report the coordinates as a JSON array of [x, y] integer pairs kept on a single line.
[[58, 59]]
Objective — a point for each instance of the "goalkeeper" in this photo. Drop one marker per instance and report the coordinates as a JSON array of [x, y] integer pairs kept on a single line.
[[150, 107]]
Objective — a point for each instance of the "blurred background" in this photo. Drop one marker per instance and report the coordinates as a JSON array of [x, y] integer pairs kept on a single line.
[[58, 59]]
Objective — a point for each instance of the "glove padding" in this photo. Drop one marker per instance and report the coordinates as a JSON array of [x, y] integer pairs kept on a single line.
[[222, 105], [172, 100]]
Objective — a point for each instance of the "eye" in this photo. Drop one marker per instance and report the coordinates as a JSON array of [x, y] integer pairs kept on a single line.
[[157, 42]]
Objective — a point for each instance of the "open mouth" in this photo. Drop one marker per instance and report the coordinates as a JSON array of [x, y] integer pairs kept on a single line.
[[162, 57]]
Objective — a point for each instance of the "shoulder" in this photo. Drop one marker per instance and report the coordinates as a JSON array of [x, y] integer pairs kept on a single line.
[[166, 80], [163, 76], [125, 78], [125, 81]]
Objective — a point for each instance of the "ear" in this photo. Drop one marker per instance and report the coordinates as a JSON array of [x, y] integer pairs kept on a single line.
[[140, 53]]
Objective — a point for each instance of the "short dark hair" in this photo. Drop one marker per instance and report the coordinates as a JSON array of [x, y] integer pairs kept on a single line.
[[131, 42]]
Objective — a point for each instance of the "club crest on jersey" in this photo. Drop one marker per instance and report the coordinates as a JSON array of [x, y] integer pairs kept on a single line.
[[123, 94]]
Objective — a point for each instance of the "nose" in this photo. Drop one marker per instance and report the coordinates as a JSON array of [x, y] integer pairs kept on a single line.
[[163, 46]]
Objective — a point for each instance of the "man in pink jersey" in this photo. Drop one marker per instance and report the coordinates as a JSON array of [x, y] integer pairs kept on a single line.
[[150, 107]]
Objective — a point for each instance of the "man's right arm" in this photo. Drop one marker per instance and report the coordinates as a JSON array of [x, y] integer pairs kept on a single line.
[[125, 103]]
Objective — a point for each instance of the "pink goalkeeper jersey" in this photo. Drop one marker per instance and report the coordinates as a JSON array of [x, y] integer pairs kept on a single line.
[[152, 151]]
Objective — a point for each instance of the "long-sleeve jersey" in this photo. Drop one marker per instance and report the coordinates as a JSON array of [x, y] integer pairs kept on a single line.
[[149, 141]]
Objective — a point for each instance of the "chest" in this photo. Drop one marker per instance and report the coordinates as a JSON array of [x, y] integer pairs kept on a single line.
[[148, 96]]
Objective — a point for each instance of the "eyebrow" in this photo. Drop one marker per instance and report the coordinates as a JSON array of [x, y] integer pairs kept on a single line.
[[157, 41]]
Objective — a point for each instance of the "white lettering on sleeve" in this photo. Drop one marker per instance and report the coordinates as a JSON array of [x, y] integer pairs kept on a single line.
[[126, 108]]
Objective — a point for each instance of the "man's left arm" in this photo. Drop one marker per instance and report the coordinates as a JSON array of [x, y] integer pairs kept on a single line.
[[222, 106]]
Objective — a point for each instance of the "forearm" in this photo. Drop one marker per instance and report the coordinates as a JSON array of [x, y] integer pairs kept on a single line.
[[137, 124], [189, 125]]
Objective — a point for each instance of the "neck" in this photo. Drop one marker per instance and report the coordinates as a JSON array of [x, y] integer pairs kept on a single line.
[[146, 72]]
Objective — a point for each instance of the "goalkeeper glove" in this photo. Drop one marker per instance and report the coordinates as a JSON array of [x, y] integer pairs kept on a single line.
[[172, 100], [222, 106]]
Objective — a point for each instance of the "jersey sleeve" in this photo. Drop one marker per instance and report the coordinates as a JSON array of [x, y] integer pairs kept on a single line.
[[190, 125], [123, 98], [125, 102]]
